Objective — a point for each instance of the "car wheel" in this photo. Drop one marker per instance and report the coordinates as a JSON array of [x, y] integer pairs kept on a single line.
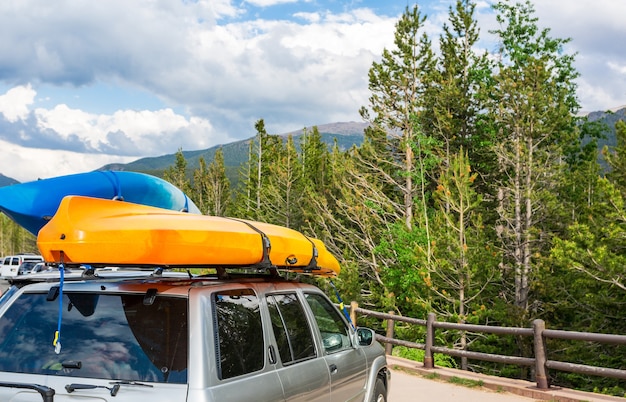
[[380, 391]]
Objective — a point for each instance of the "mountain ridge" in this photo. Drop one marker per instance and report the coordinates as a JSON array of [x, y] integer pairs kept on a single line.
[[346, 134], [235, 153]]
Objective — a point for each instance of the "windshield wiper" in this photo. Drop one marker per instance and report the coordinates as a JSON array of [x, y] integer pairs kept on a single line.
[[73, 387], [46, 393], [138, 384]]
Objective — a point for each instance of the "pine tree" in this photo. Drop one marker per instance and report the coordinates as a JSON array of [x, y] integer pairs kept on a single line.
[[177, 174], [534, 101], [397, 84], [453, 102], [282, 191], [218, 186], [212, 187], [465, 265]]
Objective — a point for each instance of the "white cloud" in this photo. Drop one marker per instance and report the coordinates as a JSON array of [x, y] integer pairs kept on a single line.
[[268, 3], [309, 17], [37, 163], [598, 32], [15, 102], [144, 132], [618, 68]]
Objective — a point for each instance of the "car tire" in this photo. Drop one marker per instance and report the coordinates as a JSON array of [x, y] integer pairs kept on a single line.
[[380, 391]]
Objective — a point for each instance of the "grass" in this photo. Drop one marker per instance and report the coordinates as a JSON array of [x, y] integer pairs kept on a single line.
[[466, 382]]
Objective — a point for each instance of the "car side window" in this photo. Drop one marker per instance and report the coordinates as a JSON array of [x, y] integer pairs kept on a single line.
[[291, 328], [240, 345], [335, 333]]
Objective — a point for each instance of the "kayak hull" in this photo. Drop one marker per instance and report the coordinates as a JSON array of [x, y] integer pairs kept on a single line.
[[33, 204], [95, 231]]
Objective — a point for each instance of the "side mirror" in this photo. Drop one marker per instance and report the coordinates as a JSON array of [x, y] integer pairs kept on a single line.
[[365, 336]]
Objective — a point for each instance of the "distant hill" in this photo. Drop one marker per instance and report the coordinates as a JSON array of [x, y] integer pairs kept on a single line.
[[236, 153], [6, 181], [609, 117], [346, 134]]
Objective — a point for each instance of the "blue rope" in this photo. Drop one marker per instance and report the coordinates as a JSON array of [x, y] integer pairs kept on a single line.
[[342, 306], [57, 336]]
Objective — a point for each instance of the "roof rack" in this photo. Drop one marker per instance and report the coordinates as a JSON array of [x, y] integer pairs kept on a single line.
[[96, 272]]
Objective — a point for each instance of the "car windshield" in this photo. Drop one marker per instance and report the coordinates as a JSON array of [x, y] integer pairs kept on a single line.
[[117, 337], [27, 266]]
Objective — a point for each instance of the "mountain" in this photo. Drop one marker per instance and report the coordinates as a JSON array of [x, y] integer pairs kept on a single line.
[[345, 133], [7, 181], [609, 118], [236, 153]]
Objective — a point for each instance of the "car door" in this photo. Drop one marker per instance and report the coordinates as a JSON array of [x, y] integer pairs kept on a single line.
[[243, 368], [301, 368], [346, 363], [15, 263]]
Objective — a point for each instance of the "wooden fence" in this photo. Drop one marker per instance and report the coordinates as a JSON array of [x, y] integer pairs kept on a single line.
[[538, 332]]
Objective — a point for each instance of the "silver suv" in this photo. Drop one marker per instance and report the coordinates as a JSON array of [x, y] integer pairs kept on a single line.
[[159, 337]]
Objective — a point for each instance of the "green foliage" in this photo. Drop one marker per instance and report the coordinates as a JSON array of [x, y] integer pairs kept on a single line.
[[406, 277], [15, 239], [417, 355], [177, 174], [211, 186]]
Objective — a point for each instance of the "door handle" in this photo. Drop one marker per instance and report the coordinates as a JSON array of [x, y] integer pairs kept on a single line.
[[272, 355], [333, 368]]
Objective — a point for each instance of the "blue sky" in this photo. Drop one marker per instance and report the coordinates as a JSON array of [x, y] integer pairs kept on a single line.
[[83, 84]]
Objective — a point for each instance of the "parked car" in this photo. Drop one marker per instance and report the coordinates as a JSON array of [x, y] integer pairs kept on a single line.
[[177, 337], [10, 264], [26, 267], [39, 267]]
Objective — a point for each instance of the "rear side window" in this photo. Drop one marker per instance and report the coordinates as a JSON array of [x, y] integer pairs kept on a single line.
[[115, 337], [291, 328], [240, 344]]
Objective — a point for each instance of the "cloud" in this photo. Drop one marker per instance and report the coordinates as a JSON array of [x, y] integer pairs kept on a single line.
[[39, 163], [597, 32], [14, 104], [268, 3], [124, 133], [202, 55]]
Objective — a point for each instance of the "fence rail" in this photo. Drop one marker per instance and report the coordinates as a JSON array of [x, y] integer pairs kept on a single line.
[[538, 331]]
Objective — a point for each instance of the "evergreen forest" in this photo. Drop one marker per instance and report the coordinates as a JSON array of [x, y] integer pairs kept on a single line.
[[478, 193]]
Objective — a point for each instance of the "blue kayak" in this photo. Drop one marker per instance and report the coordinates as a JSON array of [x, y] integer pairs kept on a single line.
[[33, 204]]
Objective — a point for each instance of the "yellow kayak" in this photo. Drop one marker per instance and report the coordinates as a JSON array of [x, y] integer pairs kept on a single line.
[[88, 230]]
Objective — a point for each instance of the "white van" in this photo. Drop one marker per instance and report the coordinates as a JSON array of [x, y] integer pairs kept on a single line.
[[11, 263]]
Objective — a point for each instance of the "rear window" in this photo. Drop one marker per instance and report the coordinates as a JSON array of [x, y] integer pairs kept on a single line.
[[115, 337], [240, 344]]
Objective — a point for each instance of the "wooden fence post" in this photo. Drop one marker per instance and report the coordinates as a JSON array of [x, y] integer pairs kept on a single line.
[[390, 333], [353, 306], [429, 362], [540, 354]]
